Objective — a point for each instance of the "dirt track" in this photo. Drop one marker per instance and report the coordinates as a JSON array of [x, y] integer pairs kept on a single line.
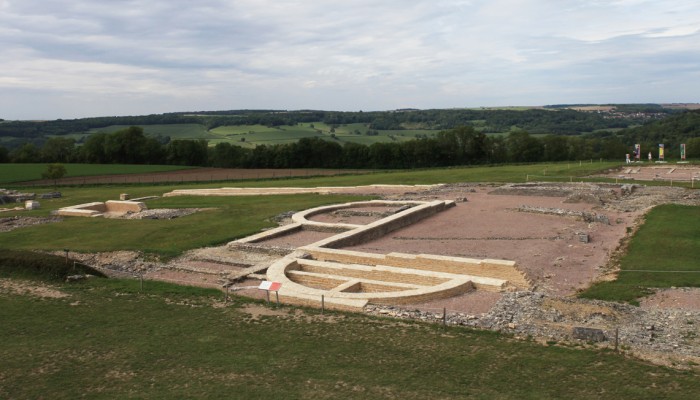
[[196, 175]]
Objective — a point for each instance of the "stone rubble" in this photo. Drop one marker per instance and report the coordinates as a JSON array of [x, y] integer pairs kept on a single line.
[[10, 223], [583, 215], [161, 213], [674, 333]]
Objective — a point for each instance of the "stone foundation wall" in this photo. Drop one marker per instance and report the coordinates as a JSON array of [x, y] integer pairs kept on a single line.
[[382, 227], [496, 269]]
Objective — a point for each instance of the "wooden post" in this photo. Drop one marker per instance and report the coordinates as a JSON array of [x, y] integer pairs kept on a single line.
[[323, 303], [444, 316], [617, 337], [267, 294], [141, 282], [277, 296]]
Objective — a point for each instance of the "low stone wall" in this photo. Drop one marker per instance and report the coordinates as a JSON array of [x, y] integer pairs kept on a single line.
[[123, 207], [496, 269], [268, 234], [380, 228], [96, 209], [348, 280]]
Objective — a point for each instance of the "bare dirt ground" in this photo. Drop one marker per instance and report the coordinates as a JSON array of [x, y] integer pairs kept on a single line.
[[195, 175], [297, 239], [683, 298], [488, 225], [28, 288]]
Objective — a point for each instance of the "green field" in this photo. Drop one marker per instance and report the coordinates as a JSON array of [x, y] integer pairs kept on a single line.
[[228, 218], [662, 254], [26, 172], [252, 135], [175, 131], [108, 341]]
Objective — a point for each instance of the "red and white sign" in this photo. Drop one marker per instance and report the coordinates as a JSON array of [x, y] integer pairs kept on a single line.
[[270, 286]]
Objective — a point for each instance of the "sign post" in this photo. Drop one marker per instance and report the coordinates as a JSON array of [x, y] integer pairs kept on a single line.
[[268, 287], [661, 152]]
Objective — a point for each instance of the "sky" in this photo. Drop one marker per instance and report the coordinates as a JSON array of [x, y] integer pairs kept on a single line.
[[82, 58]]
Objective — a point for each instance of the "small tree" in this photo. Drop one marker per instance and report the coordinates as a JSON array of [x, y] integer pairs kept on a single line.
[[55, 172]]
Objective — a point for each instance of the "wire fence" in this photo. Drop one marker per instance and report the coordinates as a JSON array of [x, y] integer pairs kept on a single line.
[[671, 181]]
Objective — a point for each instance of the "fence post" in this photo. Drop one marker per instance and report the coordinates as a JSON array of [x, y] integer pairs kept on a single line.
[[323, 304], [617, 337], [444, 316]]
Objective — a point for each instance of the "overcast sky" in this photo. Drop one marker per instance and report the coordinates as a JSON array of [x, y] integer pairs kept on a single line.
[[79, 58]]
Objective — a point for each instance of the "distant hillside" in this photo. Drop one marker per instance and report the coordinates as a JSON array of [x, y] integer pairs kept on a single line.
[[672, 130], [558, 120]]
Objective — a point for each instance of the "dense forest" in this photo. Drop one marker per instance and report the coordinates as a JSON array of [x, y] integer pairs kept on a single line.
[[462, 144]]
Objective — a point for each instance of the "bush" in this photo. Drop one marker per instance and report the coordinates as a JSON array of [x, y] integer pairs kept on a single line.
[[26, 264]]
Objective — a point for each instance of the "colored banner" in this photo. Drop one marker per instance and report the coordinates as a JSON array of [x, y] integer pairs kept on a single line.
[[637, 151], [661, 151], [683, 151]]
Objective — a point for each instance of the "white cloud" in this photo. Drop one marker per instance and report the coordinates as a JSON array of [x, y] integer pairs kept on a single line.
[[221, 54]]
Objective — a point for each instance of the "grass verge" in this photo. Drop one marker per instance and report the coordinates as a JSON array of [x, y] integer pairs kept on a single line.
[[105, 340], [663, 253]]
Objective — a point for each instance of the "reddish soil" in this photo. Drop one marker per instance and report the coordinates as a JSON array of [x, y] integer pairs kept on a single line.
[[685, 298], [297, 239], [345, 216], [475, 302], [196, 175], [546, 247]]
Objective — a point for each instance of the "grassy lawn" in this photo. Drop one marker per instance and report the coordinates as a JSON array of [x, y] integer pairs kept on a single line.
[[108, 341], [663, 253], [26, 172], [228, 218]]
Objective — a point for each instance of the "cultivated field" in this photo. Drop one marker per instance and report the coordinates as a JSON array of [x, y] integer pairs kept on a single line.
[[188, 174], [253, 135]]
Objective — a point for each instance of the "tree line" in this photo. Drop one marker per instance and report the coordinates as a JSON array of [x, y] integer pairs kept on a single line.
[[536, 121], [459, 146]]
